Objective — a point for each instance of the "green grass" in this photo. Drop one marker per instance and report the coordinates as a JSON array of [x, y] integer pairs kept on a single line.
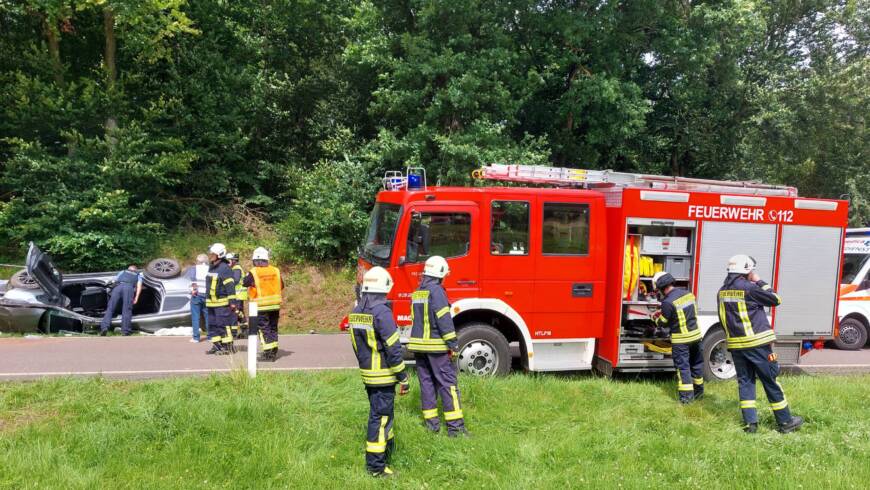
[[306, 430]]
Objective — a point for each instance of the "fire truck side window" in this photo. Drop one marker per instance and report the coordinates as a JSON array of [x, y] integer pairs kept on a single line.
[[566, 229], [444, 234], [510, 228]]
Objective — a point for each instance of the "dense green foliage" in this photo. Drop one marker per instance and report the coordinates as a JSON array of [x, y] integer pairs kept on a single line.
[[307, 430], [121, 118]]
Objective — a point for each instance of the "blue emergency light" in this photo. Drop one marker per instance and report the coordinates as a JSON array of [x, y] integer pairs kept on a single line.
[[416, 178]]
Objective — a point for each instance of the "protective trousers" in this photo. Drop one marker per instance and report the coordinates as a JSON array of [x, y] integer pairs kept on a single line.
[[267, 323], [379, 435], [220, 318], [759, 362], [437, 375], [239, 316], [689, 361], [122, 293]]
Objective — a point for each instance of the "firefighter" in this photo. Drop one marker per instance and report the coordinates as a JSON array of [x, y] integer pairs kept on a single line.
[[241, 295], [678, 314], [264, 286], [219, 289], [375, 340], [742, 300], [433, 342], [128, 287]]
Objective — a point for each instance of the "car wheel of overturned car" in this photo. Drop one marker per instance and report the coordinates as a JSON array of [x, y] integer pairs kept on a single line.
[[163, 268], [22, 280], [852, 336], [718, 363], [483, 350]]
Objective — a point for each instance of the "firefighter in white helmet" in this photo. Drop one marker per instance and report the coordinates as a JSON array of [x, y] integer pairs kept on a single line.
[[265, 288], [742, 300], [375, 340], [434, 344], [678, 314], [237, 304], [219, 289]]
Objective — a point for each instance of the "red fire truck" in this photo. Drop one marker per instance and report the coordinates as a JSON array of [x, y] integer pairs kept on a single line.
[[562, 267]]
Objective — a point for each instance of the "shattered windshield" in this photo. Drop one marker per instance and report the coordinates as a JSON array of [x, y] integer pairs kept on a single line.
[[382, 230]]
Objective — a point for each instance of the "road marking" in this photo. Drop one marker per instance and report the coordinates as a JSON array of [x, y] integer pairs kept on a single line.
[[168, 371]]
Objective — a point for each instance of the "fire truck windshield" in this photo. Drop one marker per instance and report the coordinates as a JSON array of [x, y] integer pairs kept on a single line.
[[382, 230]]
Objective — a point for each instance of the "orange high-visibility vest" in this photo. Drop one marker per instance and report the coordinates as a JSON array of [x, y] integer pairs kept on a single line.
[[266, 291]]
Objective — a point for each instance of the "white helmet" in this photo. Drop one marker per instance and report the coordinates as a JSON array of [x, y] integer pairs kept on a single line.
[[741, 264], [218, 249], [232, 256], [260, 253], [436, 266], [377, 280]]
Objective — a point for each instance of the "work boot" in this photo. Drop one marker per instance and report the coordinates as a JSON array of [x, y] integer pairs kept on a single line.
[[214, 350], [103, 333], [273, 355], [685, 400], [387, 472], [794, 424], [750, 428], [432, 427], [463, 432]]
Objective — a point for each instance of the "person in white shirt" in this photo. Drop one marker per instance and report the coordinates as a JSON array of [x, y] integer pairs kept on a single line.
[[196, 275]]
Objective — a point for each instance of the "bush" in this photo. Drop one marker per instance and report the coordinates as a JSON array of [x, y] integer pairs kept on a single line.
[[90, 208], [329, 215]]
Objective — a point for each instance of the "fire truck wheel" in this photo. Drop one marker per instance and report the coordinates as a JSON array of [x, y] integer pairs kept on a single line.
[[483, 350], [718, 364], [853, 334]]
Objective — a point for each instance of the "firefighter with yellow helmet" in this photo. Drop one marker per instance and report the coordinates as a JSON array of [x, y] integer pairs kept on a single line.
[[375, 340], [264, 287]]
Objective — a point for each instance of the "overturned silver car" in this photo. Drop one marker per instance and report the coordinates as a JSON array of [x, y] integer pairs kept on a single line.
[[47, 301]]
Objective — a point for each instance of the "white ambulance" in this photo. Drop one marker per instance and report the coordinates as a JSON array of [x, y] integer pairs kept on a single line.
[[854, 311]]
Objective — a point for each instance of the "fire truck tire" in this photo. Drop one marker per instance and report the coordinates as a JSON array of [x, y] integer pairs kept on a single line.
[[483, 350], [852, 336], [718, 364]]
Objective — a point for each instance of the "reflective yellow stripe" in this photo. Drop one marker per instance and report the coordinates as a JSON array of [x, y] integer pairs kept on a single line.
[[419, 347], [398, 368], [779, 405], [685, 387], [375, 447], [698, 381], [454, 415], [747, 404], [662, 320], [228, 280], [214, 303], [744, 318], [442, 311], [455, 396], [390, 435], [751, 341], [435, 341], [228, 339], [449, 336], [685, 338], [270, 345], [393, 339], [430, 413]]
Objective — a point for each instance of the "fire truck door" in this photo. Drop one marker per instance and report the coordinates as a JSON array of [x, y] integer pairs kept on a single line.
[[444, 230], [569, 285]]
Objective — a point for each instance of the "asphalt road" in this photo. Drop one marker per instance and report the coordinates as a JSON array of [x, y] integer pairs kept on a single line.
[[140, 357]]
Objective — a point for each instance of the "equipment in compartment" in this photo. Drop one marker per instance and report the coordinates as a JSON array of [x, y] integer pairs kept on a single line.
[[679, 267], [665, 244]]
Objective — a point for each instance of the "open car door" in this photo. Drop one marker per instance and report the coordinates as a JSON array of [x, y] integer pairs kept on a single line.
[[42, 270]]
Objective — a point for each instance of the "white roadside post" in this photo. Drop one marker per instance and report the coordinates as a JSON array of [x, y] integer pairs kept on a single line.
[[252, 339]]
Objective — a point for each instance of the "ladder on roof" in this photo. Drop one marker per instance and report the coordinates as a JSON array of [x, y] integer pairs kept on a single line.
[[599, 179]]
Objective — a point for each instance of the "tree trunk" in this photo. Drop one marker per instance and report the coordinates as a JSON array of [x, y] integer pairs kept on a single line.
[[111, 69], [53, 37]]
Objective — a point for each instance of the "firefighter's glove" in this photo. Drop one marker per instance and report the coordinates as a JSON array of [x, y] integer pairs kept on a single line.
[[404, 387], [452, 354]]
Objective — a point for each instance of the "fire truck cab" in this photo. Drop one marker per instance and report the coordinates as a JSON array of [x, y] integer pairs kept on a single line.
[[854, 309], [565, 272]]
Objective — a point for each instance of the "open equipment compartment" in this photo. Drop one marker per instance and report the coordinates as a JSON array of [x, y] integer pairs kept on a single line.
[[652, 245]]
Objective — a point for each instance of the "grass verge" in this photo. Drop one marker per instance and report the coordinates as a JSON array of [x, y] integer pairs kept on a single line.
[[306, 430]]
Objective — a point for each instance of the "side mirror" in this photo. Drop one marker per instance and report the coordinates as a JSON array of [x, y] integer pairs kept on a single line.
[[402, 260]]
